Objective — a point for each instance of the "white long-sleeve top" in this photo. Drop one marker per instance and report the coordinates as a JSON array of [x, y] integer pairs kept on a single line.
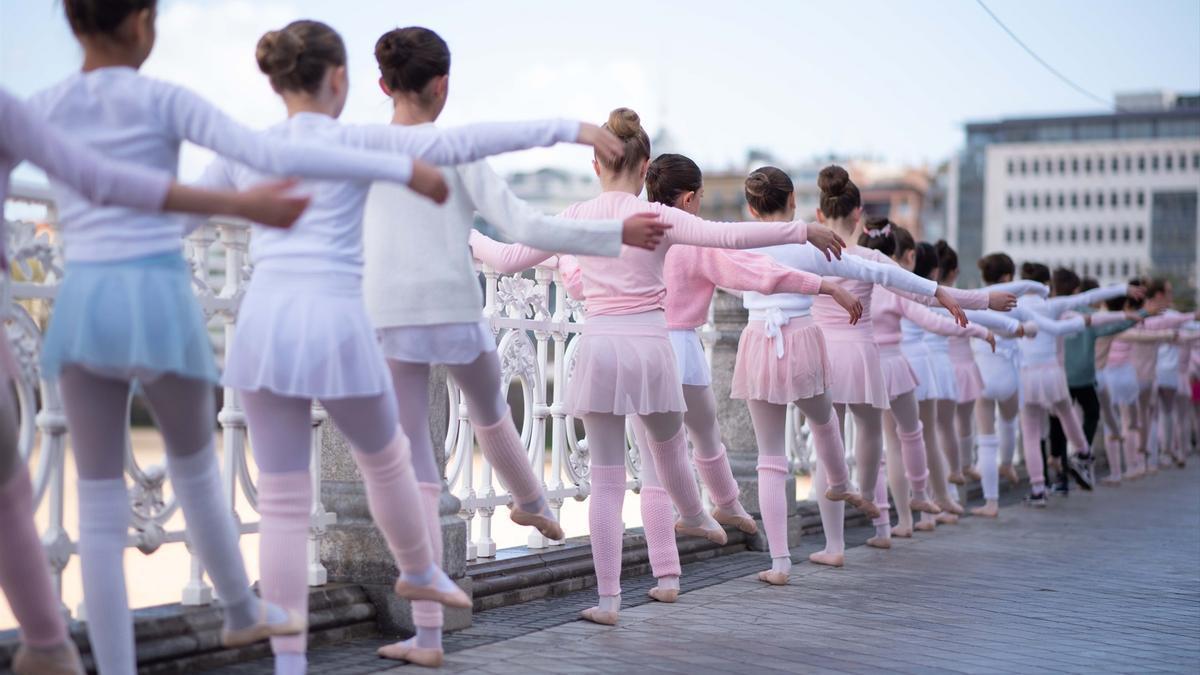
[[1044, 347], [144, 121], [808, 258], [418, 268], [329, 237]]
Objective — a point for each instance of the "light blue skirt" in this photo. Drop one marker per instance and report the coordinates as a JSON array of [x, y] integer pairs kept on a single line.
[[133, 318]]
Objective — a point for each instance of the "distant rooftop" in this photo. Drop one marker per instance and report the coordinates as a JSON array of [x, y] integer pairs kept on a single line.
[[1151, 114]]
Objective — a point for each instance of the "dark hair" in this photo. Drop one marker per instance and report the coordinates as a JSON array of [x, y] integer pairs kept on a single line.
[[1125, 301], [839, 194], [1064, 281], [1155, 286], [995, 266], [91, 17], [671, 175], [410, 57], [947, 258], [1087, 283], [296, 57], [874, 237], [1036, 272], [925, 261], [767, 190], [904, 240], [625, 124]]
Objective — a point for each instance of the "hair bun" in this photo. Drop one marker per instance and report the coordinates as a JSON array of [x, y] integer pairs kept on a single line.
[[757, 184], [833, 180], [278, 52], [624, 123]]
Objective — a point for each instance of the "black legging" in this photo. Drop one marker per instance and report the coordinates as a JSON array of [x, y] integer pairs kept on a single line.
[[1087, 399]]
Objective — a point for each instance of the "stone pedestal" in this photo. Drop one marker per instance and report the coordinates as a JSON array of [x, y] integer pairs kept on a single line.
[[354, 551], [737, 431]]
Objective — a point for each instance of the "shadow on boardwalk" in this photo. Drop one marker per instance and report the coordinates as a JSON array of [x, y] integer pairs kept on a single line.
[[1100, 582]]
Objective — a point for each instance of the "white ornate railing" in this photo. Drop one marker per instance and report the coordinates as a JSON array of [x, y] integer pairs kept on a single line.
[[536, 324], [36, 259]]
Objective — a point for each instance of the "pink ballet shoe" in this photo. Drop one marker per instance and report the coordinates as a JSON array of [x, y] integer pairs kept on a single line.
[[1135, 475], [946, 519], [407, 651], [925, 526], [544, 523], [774, 578], [956, 479], [667, 595], [902, 532], [716, 536], [1009, 473], [1109, 481], [293, 624], [985, 511], [950, 506], [597, 615], [830, 559], [410, 591], [853, 498], [971, 473], [744, 523], [880, 542], [58, 660], [925, 506]]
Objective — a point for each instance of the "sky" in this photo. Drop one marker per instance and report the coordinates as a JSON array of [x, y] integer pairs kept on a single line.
[[892, 79]]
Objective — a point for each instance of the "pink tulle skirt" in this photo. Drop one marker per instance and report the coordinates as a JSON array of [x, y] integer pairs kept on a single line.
[[857, 376], [1044, 384], [761, 374], [898, 374], [625, 365], [969, 380]]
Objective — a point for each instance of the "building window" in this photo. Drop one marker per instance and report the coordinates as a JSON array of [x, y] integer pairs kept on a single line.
[[1021, 236], [1125, 234], [1124, 268], [1112, 268], [1033, 236], [1142, 163], [1141, 198], [1074, 235], [1087, 165], [1021, 201], [1010, 167], [1169, 163], [1010, 201], [1087, 234], [1036, 200], [1141, 233], [1112, 233], [1062, 165], [1182, 162], [1008, 236], [1048, 200], [1100, 164], [1059, 235], [1154, 162], [1087, 200], [1196, 161], [1099, 235], [1046, 238], [1061, 200], [1100, 200], [1114, 165], [1074, 165], [1112, 199], [1127, 199], [1128, 163], [1037, 167], [1074, 200], [1023, 167]]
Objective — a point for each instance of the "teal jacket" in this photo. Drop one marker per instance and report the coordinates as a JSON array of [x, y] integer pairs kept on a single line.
[[1080, 351]]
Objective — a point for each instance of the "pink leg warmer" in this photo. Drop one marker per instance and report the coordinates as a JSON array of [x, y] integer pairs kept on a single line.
[[670, 459], [605, 526], [429, 614], [912, 448], [658, 520], [881, 498], [284, 501], [831, 452], [394, 500], [24, 572], [772, 501], [501, 444], [718, 477]]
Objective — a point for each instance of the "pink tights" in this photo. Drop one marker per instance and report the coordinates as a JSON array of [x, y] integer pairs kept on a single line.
[[1033, 419]]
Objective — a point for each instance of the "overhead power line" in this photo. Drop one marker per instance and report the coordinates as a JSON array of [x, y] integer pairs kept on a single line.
[[1069, 82]]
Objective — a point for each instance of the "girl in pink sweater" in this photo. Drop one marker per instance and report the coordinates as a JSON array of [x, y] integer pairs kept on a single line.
[[625, 364]]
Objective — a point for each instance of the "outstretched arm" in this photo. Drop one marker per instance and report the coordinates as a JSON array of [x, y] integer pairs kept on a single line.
[[1022, 287], [1062, 303], [934, 323], [746, 271], [505, 258], [997, 322]]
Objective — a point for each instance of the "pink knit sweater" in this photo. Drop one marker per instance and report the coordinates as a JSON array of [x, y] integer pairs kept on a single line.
[[887, 309]]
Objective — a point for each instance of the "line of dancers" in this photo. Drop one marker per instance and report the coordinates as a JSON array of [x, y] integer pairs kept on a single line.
[[363, 279]]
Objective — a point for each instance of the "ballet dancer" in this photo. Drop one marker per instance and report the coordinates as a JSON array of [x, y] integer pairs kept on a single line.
[[45, 647], [423, 297], [285, 353], [1044, 382], [625, 364], [126, 311]]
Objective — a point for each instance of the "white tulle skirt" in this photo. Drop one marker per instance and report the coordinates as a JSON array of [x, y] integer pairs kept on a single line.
[[305, 334], [690, 358]]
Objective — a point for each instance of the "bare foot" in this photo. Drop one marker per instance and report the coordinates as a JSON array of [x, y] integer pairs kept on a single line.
[[1110, 481], [1009, 473], [775, 578], [956, 479], [880, 542], [951, 506], [946, 519], [597, 615], [902, 532], [925, 506], [830, 559], [925, 526], [667, 595], [989, 510], [741, 521], [972, 473], [408, 651]]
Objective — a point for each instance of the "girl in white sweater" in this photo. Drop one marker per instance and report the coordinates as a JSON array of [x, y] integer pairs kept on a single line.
[[423, 297]]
